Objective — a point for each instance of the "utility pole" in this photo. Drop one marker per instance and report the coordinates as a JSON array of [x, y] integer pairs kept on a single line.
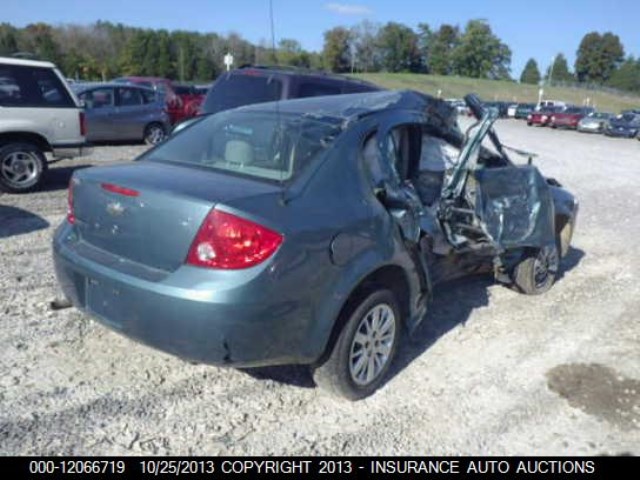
[[181, 61]]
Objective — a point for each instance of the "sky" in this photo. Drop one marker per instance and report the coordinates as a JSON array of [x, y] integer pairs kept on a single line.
[[538, 30]]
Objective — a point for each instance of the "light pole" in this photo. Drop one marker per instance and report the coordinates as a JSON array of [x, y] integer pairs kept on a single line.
[[548, 82]]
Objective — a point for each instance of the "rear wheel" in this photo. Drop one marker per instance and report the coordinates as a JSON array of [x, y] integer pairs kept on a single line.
[[154, 134], [361, 355], [537, 271], [21, 167]]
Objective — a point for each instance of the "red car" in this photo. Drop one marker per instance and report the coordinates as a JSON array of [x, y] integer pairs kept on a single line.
[[192, 97], [542, 117], [175, 105], [570, 117]]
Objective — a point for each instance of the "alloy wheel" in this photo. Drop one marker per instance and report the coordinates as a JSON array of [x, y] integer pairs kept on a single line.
[[372, 343]]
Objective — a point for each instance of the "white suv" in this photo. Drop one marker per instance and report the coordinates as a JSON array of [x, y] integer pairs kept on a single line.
[[38, 114]]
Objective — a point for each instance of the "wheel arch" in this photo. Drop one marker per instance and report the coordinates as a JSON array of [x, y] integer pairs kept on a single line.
[[392, 277], [36, 139]]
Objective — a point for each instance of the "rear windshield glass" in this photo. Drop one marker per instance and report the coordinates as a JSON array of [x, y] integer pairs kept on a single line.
[[265, 145], [231, 91]]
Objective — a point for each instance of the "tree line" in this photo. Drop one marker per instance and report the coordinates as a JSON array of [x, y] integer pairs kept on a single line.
[[600, 60], [105, 50]]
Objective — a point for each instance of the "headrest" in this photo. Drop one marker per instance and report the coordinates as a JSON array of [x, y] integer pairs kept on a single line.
[[238, 152]]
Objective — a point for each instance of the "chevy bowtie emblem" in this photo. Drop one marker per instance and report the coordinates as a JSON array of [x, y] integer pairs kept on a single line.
[[115, 208]]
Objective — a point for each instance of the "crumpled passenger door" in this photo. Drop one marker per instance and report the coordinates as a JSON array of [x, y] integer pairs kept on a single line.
[[500, 208]]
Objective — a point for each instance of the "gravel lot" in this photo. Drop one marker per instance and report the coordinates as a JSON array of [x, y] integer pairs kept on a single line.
[[489, 372]]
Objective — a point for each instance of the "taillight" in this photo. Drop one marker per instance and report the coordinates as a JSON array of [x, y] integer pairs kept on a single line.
[[229, 242], [128, 192], [83, 124], [71, 218]]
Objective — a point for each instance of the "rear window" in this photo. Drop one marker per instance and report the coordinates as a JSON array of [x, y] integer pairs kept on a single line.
[[22, 86], [264, 145], [231, 91], [130, 97], [310, 89], [183, 90]]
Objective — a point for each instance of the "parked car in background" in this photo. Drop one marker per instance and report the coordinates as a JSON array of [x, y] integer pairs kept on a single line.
[[257, 84], [500, 106], [511, 110], [570, 117], [542, 117], [175, 106], [523, 110], [627, 124], [459, 105], [595, 122], [39, 114], [300, 232], [115, 111], [551, 103], [192, 97]]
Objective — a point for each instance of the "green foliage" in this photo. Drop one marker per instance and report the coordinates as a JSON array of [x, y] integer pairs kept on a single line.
[[399, 48], [627, 77], [530, 74], [290, 52], [37, 38], [364, 39], [480, 53], [440, 49], [559, 70], [8, 39], [598, 57], [337, 49]]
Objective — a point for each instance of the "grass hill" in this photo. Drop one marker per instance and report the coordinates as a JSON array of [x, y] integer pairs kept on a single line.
[[457, 87]]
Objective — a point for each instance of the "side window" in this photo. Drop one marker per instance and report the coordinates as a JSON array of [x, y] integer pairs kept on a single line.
[[310, 89], [350, 87], [32, 87], [11, 94], [129, 97], [50, 88], [148, 96], [98, 98]]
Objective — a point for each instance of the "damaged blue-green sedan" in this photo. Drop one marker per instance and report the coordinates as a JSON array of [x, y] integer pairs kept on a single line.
[[307, 232]]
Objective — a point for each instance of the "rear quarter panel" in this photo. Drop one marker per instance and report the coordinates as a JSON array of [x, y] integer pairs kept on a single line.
[[335, 201]]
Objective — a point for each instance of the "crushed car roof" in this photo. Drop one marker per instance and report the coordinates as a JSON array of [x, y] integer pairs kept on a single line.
[[356, 105]]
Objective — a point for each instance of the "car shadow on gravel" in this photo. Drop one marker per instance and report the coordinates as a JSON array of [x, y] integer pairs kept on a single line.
[[571, 260], [16, 221], [58, 178], [452, 305]]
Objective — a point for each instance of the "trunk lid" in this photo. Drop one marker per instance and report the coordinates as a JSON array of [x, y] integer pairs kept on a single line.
[[154, 220]]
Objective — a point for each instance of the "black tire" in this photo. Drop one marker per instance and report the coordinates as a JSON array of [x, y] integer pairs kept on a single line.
[[154, 133], [340, 374], [21, 167], [537, 270], [529, 124]]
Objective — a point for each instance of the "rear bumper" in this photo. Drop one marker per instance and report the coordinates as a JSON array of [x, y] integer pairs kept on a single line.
[[589, 128], [216, 327], [566, 124], [623, 134], [71, 150]]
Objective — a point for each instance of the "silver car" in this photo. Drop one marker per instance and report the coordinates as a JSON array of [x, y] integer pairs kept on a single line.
[[595, 122], [124, 112]]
